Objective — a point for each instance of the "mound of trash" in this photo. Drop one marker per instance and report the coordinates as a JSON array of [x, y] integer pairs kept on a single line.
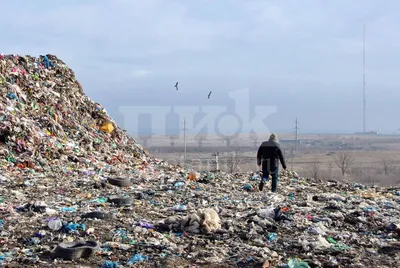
[[64, 202], [46, 120]]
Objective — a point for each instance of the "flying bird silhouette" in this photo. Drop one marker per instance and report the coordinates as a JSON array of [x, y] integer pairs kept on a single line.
[[176, 85], [209, 94]]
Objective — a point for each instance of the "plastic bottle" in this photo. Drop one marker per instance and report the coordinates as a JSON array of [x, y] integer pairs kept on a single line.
[[179, 184], [69, 209]]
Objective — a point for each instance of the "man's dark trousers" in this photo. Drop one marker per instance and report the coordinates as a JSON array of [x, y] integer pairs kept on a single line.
[[266, 171]]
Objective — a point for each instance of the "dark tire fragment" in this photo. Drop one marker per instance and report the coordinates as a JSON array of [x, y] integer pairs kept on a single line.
[[97, 215], [119, 182], [121, 201], [76, 250], [390, 249]]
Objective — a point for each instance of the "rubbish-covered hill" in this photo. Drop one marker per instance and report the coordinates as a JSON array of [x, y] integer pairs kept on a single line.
[[57, 204], [46, 119]]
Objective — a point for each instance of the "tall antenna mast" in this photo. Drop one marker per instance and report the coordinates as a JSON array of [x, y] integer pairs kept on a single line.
[[364, 97]]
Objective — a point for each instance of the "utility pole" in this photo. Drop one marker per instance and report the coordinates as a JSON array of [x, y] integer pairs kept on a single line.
[[296, 134], [216, 160], [184, 139], [364, 97]]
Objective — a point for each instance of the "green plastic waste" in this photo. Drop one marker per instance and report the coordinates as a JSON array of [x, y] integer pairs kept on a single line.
[[331, 240], [99, 200], [297, 263]]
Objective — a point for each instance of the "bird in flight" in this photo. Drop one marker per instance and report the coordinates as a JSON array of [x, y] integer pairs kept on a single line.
[[176, 85], [209, 94]]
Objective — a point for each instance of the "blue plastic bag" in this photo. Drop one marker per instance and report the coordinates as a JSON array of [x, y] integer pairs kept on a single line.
[[137, 258]]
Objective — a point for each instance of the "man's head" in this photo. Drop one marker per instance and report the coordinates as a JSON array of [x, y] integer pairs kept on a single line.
[[273, 137]]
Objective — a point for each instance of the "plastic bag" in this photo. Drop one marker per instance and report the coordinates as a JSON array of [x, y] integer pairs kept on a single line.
[[55, 224], [137, 258], [107, 127], [193, 176], [295, 263]]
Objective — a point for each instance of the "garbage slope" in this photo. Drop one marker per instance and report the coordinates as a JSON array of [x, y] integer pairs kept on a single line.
[[54, 193], [47, 120]]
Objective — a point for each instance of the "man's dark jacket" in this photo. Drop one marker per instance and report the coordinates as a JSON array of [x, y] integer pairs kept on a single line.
[[269, 153]]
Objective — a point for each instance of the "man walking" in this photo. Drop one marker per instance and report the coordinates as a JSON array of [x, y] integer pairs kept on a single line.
[[269, 154]]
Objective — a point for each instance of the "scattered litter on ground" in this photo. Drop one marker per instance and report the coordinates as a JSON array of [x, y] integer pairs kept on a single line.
[[70, 174]]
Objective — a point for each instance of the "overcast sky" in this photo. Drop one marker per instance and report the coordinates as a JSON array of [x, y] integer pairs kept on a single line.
[[301, 58]]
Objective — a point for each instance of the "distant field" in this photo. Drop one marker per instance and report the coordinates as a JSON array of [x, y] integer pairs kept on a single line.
[[315, 156]]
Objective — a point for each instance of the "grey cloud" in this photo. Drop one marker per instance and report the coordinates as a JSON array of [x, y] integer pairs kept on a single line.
[[304, 57]]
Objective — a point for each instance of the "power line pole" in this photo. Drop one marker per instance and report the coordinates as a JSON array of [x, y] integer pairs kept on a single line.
[[364, 97], [184, 138], [216, 161], [296, 134]]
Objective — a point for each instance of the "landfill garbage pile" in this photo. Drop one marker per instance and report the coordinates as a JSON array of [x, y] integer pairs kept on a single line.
[[157, 221], [68, 208], [46, 121]]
